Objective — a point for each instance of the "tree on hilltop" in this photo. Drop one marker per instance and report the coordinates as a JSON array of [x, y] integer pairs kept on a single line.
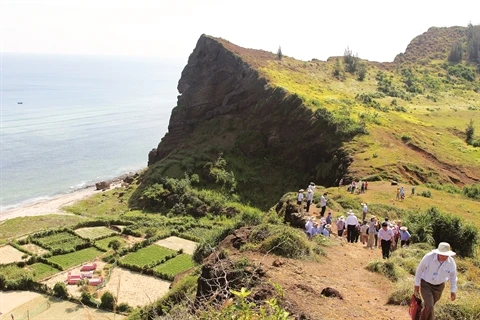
[[279, 53], [473, 43], [351, 61]]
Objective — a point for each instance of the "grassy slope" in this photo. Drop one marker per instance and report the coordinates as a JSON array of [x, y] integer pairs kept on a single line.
[[432, 131]]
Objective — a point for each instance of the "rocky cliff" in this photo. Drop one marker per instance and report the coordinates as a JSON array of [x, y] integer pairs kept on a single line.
[[226, 106]]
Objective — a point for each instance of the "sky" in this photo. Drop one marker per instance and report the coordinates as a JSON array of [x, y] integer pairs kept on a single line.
[[375, 30]]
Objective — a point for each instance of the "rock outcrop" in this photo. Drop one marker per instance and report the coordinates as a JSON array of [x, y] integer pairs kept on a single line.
[[225, 104]]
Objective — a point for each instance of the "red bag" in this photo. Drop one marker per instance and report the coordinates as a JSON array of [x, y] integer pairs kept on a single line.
[[415, 307]]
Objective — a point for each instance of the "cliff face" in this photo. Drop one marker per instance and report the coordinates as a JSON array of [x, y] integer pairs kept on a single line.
[[225, 104]]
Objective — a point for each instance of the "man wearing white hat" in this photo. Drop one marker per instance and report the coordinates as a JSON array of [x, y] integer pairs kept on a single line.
[[351, 222], [433, 271]]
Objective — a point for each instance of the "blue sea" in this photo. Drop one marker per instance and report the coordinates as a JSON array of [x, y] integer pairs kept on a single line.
[[70, 121]]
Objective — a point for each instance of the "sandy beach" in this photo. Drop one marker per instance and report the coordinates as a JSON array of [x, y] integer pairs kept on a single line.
[[53, 205]]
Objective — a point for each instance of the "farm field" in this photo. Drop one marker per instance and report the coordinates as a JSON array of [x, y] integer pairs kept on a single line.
[[134, 288], [61, 240], [147, 255], [94, 232], [41, 271], [103, 243], [176, 265], [176, 243], [39, 307], [9, 254], [33, 248], [75, 258]]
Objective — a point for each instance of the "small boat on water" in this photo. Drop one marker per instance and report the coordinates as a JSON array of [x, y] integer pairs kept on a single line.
[[20, 102]]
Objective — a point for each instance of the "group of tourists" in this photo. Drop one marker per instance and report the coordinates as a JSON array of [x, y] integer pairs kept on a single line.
[[356, 187], [308, 198], [434, 269]]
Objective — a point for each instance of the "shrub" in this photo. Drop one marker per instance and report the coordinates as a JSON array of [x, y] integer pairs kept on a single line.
[[426, 194], [60, 290], [107, 301], [402, 293], [387, 268], [472, 191], [434, 227], [406, 138], [124, 307], [288, 242]]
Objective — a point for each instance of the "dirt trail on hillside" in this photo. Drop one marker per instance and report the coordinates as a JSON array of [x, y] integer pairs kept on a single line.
[[365, 294]]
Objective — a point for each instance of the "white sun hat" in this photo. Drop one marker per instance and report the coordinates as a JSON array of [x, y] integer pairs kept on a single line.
[[444, 249]]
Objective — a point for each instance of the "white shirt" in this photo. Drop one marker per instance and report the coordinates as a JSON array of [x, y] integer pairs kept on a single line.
[[309, 196], [365, 209], [300, 197], [435, 272], [351, 220], [323, 201], [311, 187], [309, 226], [385, 234]]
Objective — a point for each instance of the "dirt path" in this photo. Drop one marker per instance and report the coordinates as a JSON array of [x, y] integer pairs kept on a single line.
[[365, 294]]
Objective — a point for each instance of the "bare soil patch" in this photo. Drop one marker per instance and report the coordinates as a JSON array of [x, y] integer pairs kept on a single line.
[[9, 300], [9, 254], [177, 243], [73, 289], [33, 248], [47, 308], [134, 288]]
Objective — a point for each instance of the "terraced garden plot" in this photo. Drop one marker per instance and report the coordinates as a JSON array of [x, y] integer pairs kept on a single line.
[[176, 243], [33, 248], [75, 258], [42, 271], [9, 254], [147, 255], [13, 272], [103, 243], [202, 233], [94, 232], [62, 240], [176, 265]]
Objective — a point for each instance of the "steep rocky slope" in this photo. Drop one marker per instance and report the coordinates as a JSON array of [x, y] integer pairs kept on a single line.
[[280, 123]]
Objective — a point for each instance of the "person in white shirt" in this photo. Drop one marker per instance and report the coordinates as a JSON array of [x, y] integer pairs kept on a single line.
[[351, 223], [434, 270], [311, 186], [300, 200], [323, 203], [309, 227], [385, 235], [309, 199], [364, 211]]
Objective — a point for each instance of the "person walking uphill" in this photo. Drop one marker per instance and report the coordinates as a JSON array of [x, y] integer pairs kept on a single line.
[[323, 203], [385, 235], [309, 199], [351, 223], [434, 270]]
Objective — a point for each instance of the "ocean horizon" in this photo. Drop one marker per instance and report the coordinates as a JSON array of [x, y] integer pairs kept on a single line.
[[68, 121]]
